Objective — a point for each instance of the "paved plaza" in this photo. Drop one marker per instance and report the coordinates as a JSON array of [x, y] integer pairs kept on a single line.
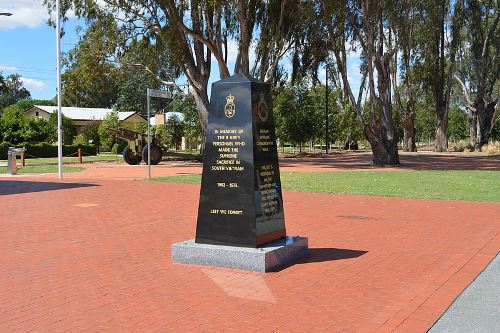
[[93, 254]]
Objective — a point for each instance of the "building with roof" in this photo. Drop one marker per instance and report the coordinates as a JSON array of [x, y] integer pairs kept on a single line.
[[84, 116]]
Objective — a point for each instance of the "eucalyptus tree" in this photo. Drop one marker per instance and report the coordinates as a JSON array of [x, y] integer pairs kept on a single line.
[[197, 31], [479, 68], [363, 24], [91, 79], [12, 90], [404, 21], [438, 39]]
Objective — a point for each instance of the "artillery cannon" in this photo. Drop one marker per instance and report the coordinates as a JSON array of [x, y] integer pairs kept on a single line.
[[137, 146]]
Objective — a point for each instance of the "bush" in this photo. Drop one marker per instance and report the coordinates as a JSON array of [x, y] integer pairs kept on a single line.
[[12, 125], [80, 140], [46, 149], [121, 146], [492, 148], [161, 135], [111, 121], [461, 146], [68, 129], [114, 149], [91, 133]]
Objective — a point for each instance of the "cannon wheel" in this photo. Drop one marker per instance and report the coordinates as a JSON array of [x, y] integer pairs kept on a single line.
[[130, 158], [156, 154]]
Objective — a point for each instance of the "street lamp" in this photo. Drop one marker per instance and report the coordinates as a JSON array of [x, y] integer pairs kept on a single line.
[[326, 110], [59, 118], [5, 14]]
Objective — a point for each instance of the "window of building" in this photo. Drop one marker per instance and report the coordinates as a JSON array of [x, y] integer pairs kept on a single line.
[[36, 113]]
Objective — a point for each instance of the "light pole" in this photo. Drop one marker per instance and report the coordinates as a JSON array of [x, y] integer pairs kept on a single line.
[[58, 66], [326, 110]]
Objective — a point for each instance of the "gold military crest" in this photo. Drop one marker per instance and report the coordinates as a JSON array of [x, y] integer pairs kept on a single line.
[[229, 108]]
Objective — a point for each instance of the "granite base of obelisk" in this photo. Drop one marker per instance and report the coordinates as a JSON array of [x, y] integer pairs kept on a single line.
[[268, 258]]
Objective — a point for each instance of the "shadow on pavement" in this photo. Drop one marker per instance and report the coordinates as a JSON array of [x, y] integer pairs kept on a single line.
[[17, 187], [409, 162], [329, 254]]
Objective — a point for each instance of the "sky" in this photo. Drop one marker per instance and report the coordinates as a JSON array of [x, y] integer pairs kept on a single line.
[[28, 47]]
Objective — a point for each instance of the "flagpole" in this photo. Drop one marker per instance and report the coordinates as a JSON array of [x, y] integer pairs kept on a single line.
[[59, 117]]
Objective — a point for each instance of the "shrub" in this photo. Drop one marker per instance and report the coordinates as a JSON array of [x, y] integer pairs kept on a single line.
[[462, 145], [91, 133], [12, 124], [68, 129], [121, 146], [161, 135], [45, 149], [492, 148], [141, 127], [114, 149], [80, 140], [111, 121]]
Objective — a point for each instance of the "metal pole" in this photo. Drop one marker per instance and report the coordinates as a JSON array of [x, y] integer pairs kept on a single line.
[[326, 111], [58, 66], [149, 137]]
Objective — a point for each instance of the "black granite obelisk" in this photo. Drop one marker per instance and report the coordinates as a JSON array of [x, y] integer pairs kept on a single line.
[[240, 200]]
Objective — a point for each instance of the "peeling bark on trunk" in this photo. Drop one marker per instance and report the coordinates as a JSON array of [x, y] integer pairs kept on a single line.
[[472, 128], [485, 123], [379, 129], [409, 133], [441, 141], [385, 152], [201, 101]]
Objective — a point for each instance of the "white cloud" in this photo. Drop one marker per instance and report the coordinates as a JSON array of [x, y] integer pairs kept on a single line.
[[33, 84], [25, 13], [7, 68]]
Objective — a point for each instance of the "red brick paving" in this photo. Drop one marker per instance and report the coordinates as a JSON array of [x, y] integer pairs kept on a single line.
[[97, 258]]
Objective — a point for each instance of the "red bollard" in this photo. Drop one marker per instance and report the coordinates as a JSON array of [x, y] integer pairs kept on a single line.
[[80, 159], [23, 158]]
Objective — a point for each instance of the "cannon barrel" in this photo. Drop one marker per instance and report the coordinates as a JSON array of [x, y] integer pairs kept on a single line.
[[124, 133]]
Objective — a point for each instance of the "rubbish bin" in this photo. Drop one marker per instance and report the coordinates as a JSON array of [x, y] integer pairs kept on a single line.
[[12, 154]]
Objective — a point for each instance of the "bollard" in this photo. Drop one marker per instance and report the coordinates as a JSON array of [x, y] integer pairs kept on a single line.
[[23, 158], [80, 158], [11, 162]]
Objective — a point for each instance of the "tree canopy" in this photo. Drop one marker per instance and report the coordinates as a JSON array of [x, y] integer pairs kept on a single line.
[[417, 61], [12, 90]]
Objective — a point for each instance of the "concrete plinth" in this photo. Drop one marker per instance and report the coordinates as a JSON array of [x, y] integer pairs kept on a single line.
[[269, 257]]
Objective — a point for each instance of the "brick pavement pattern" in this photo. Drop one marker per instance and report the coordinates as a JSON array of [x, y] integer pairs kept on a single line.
[[93, 255]]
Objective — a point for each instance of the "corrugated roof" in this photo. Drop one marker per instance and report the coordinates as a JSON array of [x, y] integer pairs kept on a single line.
[[76, 113]]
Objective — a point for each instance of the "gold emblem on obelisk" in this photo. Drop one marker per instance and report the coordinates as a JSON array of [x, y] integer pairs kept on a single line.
[[262, 108], [229, 108]]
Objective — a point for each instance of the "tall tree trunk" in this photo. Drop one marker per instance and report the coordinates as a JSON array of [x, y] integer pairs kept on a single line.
[[199, 82], [385, 152], [409, 133], [385, 149], [441, 141], [485, 122], [472, 127], [379, 129]]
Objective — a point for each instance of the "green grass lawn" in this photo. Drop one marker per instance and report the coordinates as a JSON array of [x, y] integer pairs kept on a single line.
[[42, 169], [442, 185]]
